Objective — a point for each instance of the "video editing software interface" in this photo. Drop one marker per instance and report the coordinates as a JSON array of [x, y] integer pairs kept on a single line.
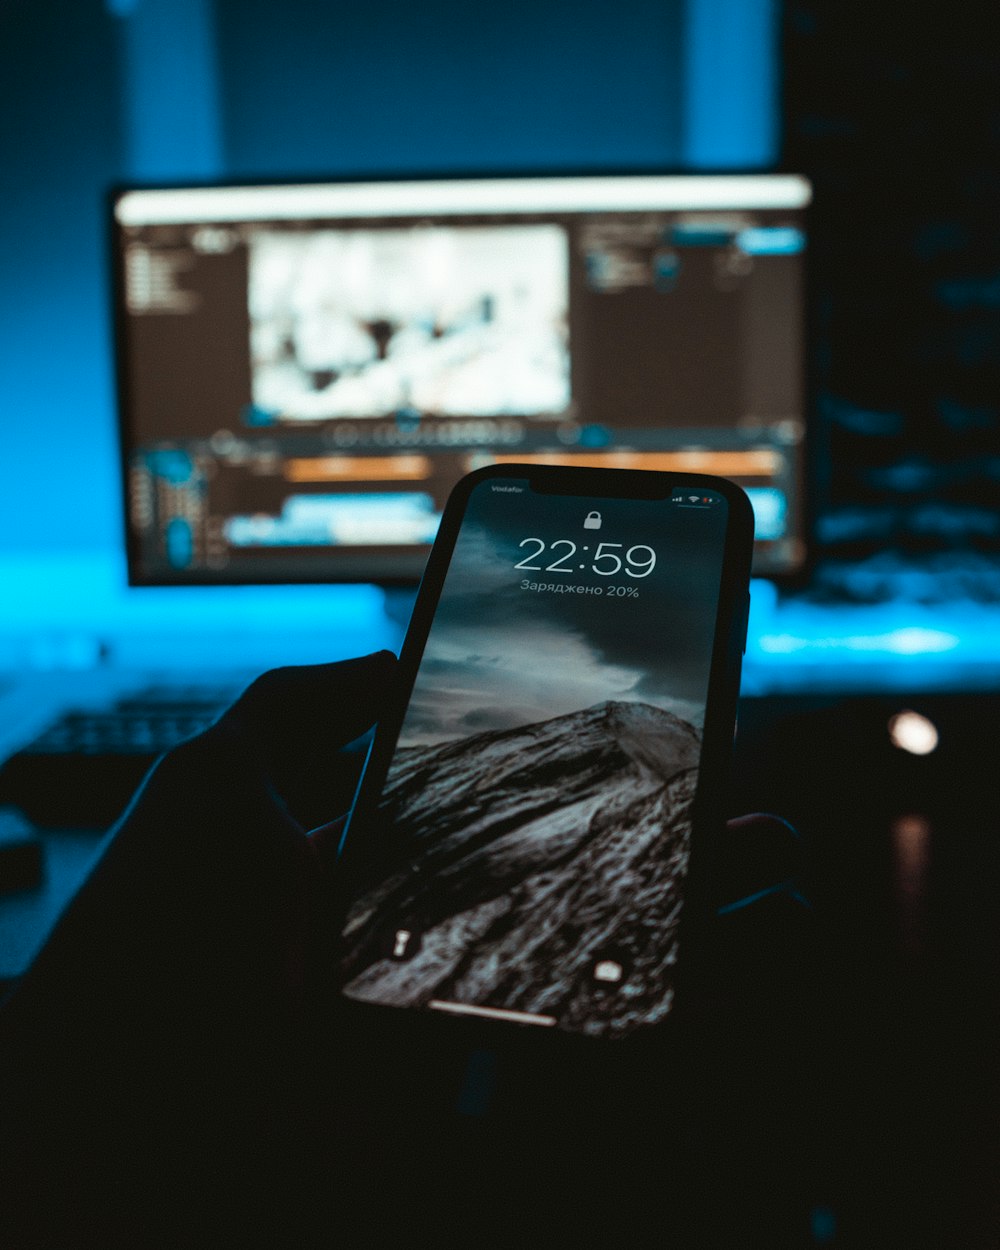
[[305, 370]]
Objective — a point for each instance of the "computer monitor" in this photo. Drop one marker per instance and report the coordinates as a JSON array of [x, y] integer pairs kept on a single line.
[[305, 369]]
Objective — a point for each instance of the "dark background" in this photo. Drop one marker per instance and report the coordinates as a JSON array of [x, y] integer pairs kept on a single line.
[[897, 117]]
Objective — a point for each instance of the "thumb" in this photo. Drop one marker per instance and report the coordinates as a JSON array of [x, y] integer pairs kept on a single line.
[[297, 721]]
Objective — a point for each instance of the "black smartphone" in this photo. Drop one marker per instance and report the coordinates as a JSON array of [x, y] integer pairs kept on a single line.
[[532, 835]]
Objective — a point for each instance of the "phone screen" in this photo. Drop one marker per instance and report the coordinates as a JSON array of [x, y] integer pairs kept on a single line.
[[534, 822]]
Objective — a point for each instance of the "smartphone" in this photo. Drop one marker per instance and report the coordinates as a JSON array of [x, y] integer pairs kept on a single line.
[[540, 803]]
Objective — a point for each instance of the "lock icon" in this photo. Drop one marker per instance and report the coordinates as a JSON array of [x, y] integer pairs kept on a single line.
[[592, 521]]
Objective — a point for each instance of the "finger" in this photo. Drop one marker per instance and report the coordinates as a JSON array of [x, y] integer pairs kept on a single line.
[[763, 945], [290, 709], [326, 839], [300, 728], [759, 853]]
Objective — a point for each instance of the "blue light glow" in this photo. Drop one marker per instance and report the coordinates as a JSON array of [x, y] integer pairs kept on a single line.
[[912, 640], [67, 613], [700, 236], [66, 603], [180, 543], [254, 416], [594, 436], [172, 465], [170, 133], [666, 270], [72, 613], [771, 241], [732, 76], [326, 520], [770, 508], [823, 1226], [796, 644]]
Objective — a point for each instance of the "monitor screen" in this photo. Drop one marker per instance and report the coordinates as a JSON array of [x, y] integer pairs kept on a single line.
[[306, 369]]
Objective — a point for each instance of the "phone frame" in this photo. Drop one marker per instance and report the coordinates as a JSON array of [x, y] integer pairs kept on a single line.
[[708, 808]]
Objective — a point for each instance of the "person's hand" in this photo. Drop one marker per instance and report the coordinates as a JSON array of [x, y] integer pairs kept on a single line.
[[205, 897], [201, 900], [165, 1022], [155, 1060]]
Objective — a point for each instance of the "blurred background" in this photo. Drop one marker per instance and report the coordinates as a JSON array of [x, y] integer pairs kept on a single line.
[[894, 122], [872, 670]]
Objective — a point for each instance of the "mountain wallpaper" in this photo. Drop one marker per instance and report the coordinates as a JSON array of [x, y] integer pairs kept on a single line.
[[533, 830], [514, 891]]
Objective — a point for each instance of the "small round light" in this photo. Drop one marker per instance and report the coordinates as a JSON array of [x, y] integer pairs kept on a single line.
[[912, 732]]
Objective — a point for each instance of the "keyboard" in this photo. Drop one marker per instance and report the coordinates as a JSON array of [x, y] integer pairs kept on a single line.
[[83, 768]]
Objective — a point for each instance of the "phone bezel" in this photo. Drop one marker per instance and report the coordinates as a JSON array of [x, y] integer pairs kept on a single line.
[[720, 714]]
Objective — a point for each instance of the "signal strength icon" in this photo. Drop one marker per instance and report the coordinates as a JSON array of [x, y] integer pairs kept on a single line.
[[693, 498]]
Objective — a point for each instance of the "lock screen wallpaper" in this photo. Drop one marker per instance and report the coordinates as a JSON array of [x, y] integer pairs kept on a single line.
[[534, 824]]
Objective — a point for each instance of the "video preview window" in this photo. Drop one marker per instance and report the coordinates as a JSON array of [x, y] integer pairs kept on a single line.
[[452, 320]]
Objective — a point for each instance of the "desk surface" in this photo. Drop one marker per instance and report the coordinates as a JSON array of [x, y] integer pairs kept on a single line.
[[27, 917]]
